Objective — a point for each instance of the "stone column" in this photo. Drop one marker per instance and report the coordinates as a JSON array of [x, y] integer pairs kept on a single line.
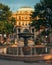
[[21, 51], [31, 51], [46, 50], [17, 50], [34, 50]]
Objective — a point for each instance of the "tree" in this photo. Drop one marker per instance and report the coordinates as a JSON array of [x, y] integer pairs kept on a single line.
[[44, 11], [5, 12], [2, 27], [13, 21], [6, 21]]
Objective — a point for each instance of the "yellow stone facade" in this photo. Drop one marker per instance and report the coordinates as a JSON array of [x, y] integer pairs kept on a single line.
[[22, 16]]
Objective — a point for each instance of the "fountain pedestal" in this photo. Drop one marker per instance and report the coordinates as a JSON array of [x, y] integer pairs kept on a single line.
[[26, 34], [26, 50]]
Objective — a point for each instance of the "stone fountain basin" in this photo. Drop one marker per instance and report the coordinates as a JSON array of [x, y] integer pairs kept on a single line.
[[29, 58], [25, 35]]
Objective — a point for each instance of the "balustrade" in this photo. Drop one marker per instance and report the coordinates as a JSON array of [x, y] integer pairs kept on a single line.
[[35, 50]]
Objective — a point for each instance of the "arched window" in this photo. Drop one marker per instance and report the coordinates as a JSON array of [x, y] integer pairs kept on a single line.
[[18, 30], [33, 30]]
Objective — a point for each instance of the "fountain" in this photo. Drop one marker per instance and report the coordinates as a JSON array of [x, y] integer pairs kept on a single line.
[[25, 35]]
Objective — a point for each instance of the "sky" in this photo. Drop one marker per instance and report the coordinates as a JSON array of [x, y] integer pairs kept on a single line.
[[16, 4]]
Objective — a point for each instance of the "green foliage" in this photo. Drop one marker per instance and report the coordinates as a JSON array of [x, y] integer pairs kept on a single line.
[[2, 27], [5, 12], [44, 11], [6, 21], [6, 27], [13, 21]]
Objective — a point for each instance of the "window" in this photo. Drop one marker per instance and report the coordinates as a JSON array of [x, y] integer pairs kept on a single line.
[[32, 30], [18, 30], [19, 23], [19, 17]]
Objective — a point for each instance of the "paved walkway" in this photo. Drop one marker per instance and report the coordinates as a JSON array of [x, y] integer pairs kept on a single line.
[[7, 62]]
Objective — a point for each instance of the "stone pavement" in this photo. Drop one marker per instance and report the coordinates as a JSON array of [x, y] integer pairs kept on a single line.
[[8, 62]]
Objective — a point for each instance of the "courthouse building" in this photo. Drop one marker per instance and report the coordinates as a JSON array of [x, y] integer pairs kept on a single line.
[[23, 18]]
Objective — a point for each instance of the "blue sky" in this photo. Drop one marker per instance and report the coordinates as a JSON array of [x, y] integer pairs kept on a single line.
[[16, 4]]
